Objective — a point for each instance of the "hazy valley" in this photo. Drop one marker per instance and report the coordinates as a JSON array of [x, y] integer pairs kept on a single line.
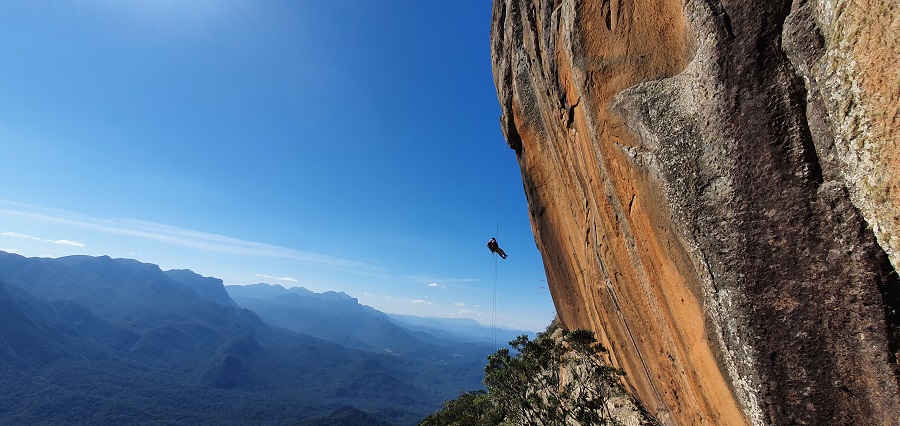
[[100, 340]]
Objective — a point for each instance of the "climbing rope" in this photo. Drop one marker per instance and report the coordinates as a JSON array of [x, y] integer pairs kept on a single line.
[[497, 235], [500, 194], [494, 316]]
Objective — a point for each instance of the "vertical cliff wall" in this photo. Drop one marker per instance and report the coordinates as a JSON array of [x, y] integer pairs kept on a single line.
[[711, 184]]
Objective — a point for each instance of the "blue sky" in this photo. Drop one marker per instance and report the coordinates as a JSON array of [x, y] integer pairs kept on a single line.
[[337, 145]]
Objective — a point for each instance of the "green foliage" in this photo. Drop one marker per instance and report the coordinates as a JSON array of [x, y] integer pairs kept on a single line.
[[474, 408], [552, 380]]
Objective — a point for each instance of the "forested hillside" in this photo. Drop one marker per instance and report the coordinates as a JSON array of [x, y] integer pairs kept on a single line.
[[100, 340]]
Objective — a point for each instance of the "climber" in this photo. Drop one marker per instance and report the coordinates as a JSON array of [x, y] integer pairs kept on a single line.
[[495, 248]]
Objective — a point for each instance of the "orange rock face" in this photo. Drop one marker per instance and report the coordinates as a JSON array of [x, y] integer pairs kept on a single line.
[[694, 209]]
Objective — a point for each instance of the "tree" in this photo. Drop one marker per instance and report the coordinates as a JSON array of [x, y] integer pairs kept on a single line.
[[554, 380], [474, 408]]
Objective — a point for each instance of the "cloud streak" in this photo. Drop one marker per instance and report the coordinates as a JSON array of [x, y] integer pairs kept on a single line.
[[288, 279], [175, 236], [45, 240], [68, 243], [15, 234]]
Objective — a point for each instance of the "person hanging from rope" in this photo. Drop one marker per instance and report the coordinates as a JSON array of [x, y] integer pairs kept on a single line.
[[495, 248]]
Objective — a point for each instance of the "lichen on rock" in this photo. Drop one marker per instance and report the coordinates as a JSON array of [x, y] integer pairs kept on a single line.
[[704, 179]]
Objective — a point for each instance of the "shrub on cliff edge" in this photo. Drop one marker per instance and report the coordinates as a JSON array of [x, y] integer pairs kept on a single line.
[[556, 379]]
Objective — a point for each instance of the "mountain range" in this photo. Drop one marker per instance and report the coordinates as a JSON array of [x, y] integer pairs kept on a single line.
[[101, 340], [341, 319]]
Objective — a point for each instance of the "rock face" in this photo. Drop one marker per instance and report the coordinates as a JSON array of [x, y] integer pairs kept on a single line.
[[712, 186]]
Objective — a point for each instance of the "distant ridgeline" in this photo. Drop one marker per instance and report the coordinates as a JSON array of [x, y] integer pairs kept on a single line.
[[100, 340]]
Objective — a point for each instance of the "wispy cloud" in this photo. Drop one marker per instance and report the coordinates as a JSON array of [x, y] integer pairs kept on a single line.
[[45, 240], [288, 279], [436, 285], [460, 304], [15, 234], [176, 236], [421, 302]]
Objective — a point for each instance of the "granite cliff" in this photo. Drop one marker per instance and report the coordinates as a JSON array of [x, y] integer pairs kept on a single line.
[[713, 187]]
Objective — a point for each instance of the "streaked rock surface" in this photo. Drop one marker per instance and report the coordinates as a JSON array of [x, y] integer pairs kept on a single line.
[[712, 185]]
